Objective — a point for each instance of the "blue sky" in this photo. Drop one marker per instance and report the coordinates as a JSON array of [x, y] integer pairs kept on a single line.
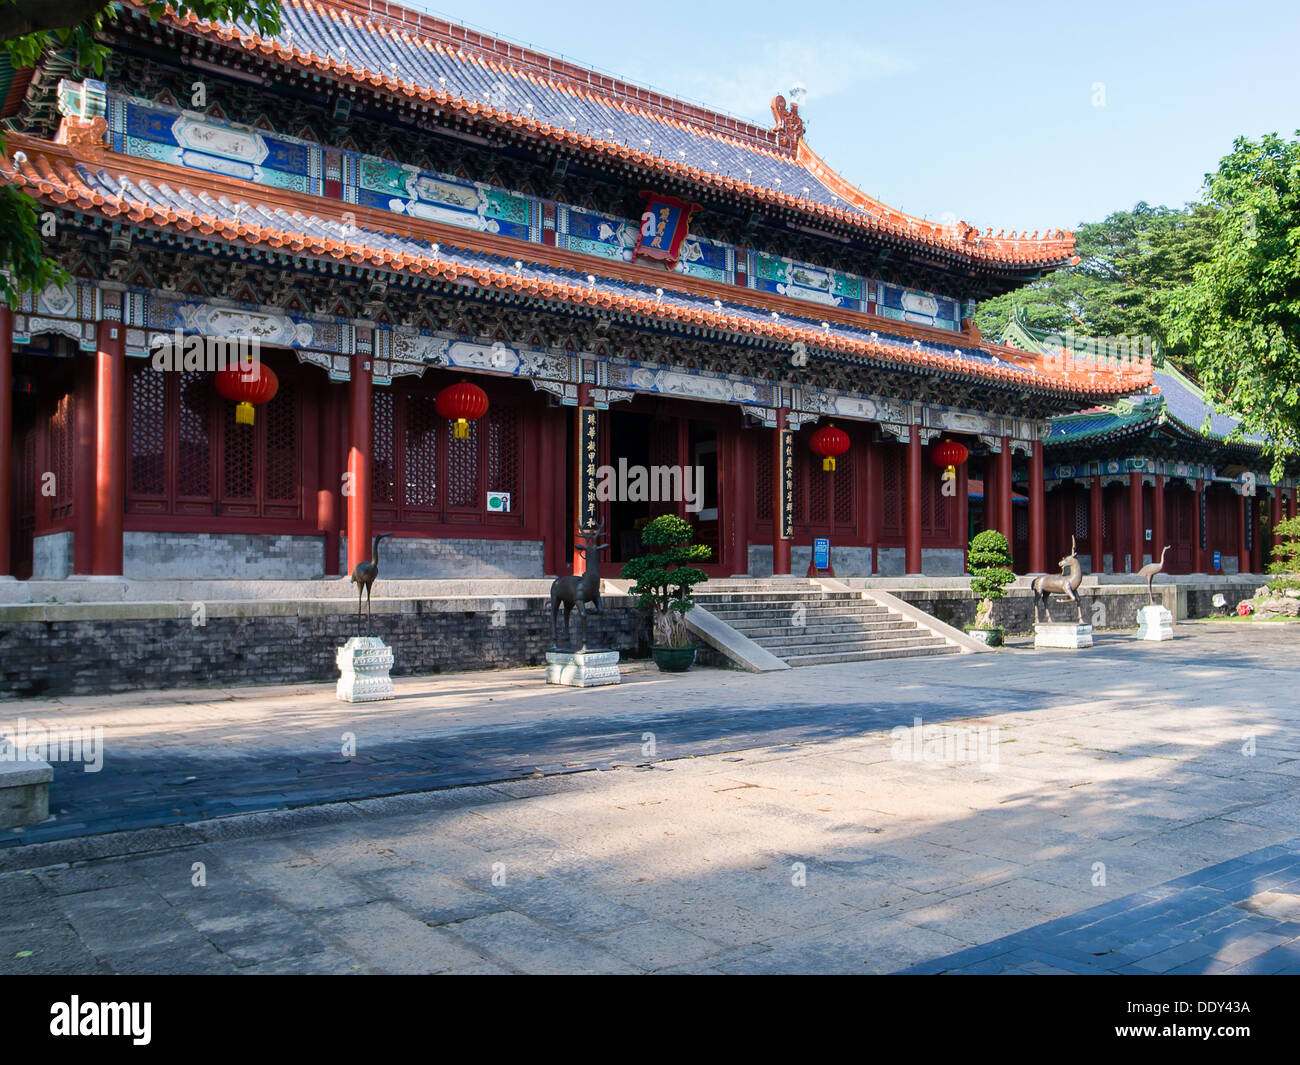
[[990, 113]]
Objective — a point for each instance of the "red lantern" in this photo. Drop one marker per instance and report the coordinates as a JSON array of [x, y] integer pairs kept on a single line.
[[246, 389], [829, 442], [463, 403], [949, 455]]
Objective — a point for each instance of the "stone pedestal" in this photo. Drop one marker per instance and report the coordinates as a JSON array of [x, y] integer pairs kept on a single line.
[[1155, 623], [1062, 634], [24, 789], [582, 669], [364, 662]]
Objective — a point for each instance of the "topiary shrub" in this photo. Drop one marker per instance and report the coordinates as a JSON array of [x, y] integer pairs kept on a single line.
[[989, 562], [1286, 553], [663, 578]]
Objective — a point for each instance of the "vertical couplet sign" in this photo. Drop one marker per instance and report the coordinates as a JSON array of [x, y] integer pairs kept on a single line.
[[588, 460], [1201, 517], [787, 484]]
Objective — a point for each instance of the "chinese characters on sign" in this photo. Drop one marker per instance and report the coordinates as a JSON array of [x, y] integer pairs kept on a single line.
[[664, 225], [589, 460], [787, 484]]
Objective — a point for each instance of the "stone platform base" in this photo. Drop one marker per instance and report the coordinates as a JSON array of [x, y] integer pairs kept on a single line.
[[1155, 623], [1062, 634], [24, 790], [582, 669], [364, 662]]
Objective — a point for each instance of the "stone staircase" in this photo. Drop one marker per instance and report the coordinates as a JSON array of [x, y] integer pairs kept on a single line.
[[806, 625]]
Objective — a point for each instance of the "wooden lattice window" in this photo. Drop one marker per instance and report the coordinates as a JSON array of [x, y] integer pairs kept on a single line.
[[423, 474], [763, 478], [62, 441], [938, 511], [186, 455], [1081, 518], [892, 522]]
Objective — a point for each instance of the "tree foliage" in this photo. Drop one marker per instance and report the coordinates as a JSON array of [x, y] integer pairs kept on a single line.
[[1239, 315], [1130, 265], [664, 576], [989, 561], [28, 29]]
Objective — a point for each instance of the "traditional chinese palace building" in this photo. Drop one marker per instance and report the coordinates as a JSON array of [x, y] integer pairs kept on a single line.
[[1155, 469], [389, 205]]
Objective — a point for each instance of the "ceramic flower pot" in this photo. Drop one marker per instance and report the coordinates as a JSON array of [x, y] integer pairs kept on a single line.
[[989, 637], [673, 659]]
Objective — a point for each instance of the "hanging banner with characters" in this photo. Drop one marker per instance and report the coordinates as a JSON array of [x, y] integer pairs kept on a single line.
[[664, 225]]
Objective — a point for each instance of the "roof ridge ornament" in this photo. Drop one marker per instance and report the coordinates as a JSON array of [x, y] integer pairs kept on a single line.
[[787, 125]]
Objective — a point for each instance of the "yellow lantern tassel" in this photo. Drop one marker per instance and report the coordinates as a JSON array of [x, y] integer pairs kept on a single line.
[[461, 429], [828, 463], [244, 413]]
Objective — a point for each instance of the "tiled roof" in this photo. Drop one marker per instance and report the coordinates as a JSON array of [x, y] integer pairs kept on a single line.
[[187, 203], [406, 53], [1177, 403]]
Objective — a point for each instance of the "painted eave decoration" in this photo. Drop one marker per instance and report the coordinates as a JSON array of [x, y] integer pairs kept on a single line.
[[82, 176]]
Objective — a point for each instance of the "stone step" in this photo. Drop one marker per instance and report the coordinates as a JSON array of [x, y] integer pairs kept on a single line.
[[757, 629], [739, 611], [871, 656], [778, 597], [784, 648]]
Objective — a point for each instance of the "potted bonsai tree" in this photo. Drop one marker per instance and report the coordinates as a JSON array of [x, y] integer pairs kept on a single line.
[[663, 579], [989, 563]]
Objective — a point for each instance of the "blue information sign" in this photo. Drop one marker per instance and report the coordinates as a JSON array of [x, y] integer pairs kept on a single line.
[[821, 553], [1218, 561]]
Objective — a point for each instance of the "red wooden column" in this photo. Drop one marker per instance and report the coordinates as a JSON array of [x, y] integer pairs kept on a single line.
[[1097, 525], [1243, 556], [330, 476], [1135, 525], [359, 445], [1198, 553], [1037, 510], [110, 419], [780, 543], [83, 475], [1006, 493], [1158, 518], [1291, 503], [6, 434], [912, 503]]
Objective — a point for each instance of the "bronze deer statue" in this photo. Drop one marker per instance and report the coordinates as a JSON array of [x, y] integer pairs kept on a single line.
[[578, 591], [1066, 584]]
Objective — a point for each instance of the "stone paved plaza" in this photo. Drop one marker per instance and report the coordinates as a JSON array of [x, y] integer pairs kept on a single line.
[[1129, 808]]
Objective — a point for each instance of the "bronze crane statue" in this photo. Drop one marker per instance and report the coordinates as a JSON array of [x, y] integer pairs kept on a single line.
[[1066, 584], [578, 591], [1150, 570], [364, 576]]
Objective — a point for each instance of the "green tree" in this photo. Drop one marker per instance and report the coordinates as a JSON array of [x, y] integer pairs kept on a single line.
[[29, 28], [989, 561], [1239, 315], [1129, 265], [663, 578]]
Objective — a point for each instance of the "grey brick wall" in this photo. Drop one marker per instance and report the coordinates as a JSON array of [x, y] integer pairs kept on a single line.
[[1120, 604], [101, 656], [856, 561], [440, 559], [237, 556]]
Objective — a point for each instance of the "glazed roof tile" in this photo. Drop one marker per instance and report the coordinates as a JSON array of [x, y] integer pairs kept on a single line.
[[235, 211], [371, 42]]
